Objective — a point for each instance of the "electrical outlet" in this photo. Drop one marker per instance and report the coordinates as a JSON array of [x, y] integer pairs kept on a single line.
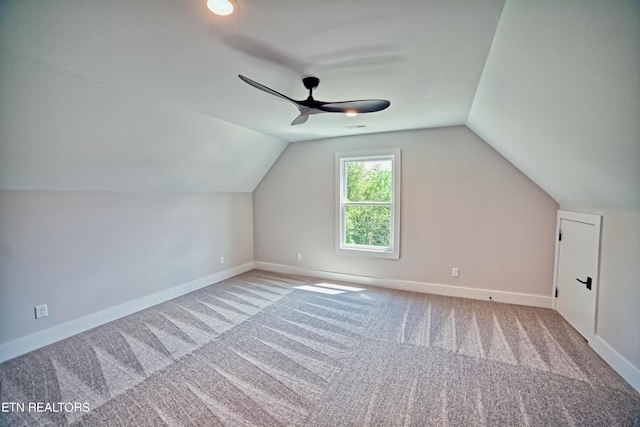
[[221, 260], [299, 257], [455, 272], [41, 311]]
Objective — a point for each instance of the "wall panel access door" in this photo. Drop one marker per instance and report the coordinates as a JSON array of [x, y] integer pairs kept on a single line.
[[576, 275]]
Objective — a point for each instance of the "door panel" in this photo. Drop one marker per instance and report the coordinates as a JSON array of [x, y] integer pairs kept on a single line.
[[577, 271]]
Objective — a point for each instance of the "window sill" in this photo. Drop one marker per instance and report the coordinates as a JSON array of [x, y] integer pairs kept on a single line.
[[367, 252]]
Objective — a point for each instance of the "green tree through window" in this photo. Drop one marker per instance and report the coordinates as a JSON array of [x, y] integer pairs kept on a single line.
[[369, 192]]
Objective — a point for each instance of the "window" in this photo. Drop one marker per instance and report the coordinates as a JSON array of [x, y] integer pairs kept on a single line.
[[368, 203]]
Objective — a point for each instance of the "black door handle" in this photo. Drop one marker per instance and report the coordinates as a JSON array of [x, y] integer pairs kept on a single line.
[[588, 282]]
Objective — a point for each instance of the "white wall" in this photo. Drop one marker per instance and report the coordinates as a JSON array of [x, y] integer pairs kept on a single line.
[[84, 252], [463, 205], [619, 295]]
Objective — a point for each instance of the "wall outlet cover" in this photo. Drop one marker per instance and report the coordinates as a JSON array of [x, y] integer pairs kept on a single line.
[[41, 311]]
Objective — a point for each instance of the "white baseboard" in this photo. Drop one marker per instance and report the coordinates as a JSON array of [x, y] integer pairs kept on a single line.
[[49, 336], [40, 339], [405, 285], [622, 366]]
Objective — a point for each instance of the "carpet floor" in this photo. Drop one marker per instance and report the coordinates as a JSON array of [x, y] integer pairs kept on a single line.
[[266, 349]]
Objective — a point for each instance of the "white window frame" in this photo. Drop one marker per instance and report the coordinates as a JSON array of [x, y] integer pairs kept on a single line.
[[391, 252]]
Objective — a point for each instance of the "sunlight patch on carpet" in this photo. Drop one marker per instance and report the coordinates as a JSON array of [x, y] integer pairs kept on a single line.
[[329, 288]]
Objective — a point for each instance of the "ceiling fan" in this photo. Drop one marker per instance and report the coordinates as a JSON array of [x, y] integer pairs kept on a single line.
[[311, 106]]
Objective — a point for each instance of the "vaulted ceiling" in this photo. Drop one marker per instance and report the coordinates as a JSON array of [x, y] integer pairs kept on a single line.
[[144, 95]]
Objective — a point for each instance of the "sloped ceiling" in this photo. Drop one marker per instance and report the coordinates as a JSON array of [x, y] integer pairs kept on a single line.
[[560, 98], [144, 95]]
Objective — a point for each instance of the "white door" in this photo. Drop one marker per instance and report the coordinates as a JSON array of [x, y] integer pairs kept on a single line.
[[577, 255]]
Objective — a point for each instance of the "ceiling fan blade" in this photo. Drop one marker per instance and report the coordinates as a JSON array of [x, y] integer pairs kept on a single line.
[[302, 118], [311, 106], [361, 106], [266, 89]]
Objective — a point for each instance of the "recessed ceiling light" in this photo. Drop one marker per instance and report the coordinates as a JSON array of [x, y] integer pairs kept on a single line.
[[352, 113], [220, 7]]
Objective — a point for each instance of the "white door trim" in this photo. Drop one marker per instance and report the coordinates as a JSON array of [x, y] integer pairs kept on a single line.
[[596, 221]]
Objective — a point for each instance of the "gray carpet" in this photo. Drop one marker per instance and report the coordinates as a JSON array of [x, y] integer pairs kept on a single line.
[[255, 350]]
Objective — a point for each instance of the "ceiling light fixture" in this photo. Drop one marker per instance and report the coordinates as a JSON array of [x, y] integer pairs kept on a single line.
[[352, 113], [220, 7]]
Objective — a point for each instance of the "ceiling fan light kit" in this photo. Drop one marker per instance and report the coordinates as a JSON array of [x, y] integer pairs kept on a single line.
[[221, 7], [311, 106]]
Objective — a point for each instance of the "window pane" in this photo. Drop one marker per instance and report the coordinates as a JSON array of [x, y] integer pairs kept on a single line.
[[369, 181], [368, 225]]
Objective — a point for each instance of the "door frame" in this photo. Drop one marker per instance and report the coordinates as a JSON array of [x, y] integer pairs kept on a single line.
[[596, 221]]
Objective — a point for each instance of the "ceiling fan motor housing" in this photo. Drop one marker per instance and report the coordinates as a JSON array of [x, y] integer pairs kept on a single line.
[[311, 82]]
